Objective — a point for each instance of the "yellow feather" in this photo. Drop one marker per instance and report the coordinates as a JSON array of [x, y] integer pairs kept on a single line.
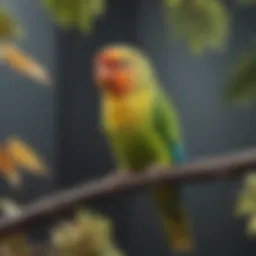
[[126, 111], [26, 157]]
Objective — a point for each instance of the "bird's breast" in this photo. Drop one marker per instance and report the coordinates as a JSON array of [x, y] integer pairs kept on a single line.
[[127, 113]]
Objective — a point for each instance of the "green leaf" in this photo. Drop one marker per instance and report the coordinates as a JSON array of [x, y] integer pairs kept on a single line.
[[9, 27], [76, 14], [250, 182], [241, 84], [251, 226], [88, 234], [245, 205], [203, 24]]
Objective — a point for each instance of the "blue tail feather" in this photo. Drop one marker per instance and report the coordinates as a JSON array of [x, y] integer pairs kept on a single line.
[[178, 153]]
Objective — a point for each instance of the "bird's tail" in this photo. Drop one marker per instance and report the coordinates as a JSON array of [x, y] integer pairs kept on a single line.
[[175, 219], [179, 233]]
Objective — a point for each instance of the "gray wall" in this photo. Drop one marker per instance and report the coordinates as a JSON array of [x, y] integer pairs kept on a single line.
[[27, 109], [196, 85]]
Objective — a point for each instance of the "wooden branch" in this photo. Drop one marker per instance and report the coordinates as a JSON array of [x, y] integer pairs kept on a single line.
[[205, 169]]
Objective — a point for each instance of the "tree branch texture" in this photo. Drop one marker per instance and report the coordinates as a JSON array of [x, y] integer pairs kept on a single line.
[[206, 169]]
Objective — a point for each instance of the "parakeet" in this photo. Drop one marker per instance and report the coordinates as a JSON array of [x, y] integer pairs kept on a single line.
[[21, 63], [143, 129], [14, 154]]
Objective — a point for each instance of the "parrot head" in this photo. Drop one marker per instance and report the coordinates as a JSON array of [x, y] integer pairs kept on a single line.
[[120, 70]]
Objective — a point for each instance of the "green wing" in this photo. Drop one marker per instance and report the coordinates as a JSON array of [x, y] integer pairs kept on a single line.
[[167, 125]]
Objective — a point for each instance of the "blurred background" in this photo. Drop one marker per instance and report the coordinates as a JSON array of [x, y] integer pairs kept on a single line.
[[63, 124], [28, 110]]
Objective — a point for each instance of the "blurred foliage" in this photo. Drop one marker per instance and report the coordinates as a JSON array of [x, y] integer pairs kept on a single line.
[[75, 14], [246, 203], [88, 234], [15, 58], [204, 24], [241, 85], [17, 244], [9, 27], [9, 208]]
